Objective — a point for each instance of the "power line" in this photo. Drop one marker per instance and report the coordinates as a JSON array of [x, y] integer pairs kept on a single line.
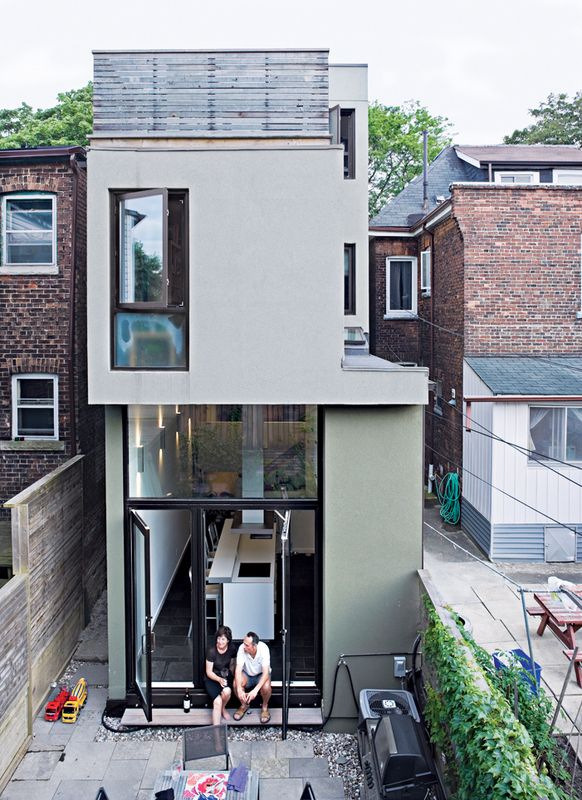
[[511, 497], [433, 324]]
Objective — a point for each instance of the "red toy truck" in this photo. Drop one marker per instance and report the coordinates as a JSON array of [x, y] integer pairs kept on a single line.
[[54, 707]]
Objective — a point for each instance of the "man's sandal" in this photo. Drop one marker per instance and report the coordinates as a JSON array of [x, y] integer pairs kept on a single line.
[[265, 716], [240, 712]]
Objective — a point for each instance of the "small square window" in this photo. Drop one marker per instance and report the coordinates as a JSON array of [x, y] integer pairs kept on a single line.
[[28, 233], [35, 407], [517, 177]]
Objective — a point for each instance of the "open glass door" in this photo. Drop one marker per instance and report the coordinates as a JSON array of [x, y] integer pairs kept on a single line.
[[142, 617], [284, 522]]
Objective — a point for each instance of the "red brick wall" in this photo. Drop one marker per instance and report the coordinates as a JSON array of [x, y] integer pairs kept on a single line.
[[522, 269], [392, 339]]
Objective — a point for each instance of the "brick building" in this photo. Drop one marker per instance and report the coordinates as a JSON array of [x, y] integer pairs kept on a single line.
[[45, 418], [470, 276]]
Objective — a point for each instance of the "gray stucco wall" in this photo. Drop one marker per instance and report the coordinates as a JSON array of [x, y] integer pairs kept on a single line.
[[372, 544]]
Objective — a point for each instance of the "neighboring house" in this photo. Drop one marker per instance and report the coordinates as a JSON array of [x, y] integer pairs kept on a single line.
[[44, 414], [227, 189], [483, 266]]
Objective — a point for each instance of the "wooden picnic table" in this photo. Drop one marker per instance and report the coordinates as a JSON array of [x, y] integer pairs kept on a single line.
[[562, 621]]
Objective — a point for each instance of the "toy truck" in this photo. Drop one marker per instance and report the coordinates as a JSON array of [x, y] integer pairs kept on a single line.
[[54, 707], [75, 702]]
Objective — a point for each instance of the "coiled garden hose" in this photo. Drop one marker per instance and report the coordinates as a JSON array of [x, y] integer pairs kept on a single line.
[[449, 495]]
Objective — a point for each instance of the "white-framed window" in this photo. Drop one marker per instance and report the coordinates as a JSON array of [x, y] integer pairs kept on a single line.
[[555, 432], [568, 177], [401, 289], [517, 177], [29, 233], [425, 259], [35, 412]]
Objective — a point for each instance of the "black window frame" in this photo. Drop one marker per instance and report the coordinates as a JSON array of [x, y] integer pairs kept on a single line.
[[165, 307], [347, 135], [350, 279]]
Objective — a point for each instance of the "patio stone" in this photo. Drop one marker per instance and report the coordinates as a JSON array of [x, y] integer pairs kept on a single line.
[[292, 748], [240, 753], [135, 750], [85, 761], [264, 749], [308, 768], [126, 772], [271, 767], [37, 766], [280, 789], [327, 788], [30, 790]]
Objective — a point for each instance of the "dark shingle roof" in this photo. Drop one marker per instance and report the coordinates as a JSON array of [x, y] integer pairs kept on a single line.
[[538, 154], [444, 170], [539, 375]]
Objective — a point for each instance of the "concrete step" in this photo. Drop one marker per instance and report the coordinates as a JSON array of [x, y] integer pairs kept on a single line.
[[175, 717]]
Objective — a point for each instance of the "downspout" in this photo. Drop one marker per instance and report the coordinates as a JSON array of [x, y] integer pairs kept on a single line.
[[490, 170], [72, 310]]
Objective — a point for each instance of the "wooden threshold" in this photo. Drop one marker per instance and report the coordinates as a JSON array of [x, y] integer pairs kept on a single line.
[[175, 717]]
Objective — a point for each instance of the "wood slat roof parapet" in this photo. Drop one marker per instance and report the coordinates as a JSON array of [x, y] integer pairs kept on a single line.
[[174, 91]]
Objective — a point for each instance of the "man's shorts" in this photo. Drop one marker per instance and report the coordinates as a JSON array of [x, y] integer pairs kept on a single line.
[[252, 680]]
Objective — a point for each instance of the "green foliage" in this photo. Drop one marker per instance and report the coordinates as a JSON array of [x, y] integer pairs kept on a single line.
[[558, 120], [494, 757], [69, 122], [148, 274], [395, 148]]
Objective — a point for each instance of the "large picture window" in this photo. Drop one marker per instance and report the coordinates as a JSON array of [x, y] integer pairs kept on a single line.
[[28, 232], [400, 287], [35, 407], [556, 432], [150, 313]]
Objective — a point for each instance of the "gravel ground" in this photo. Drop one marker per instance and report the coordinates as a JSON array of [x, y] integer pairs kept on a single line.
[[340, 749]]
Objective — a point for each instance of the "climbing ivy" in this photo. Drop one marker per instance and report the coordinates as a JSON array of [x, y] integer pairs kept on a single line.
[[490, 752]]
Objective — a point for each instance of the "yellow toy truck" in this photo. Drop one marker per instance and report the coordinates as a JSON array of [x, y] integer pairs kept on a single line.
[[75, 702]]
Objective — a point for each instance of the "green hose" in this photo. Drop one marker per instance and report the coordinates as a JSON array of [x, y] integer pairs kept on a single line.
[[449, 494]]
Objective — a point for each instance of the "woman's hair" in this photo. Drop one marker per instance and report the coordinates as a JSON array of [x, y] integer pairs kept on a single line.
[[224, 630]]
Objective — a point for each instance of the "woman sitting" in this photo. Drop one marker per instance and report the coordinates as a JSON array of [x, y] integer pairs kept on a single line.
[[219, 673]]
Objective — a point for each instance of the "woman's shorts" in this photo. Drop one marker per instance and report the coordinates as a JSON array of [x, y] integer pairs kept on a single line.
[[213, 688]]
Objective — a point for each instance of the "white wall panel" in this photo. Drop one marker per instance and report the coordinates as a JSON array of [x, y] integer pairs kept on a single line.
[[477, 449]]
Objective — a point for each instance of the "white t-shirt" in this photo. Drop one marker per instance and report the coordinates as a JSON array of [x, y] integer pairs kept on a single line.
[[253, 666]]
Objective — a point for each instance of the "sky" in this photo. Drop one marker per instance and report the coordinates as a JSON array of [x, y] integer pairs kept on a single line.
[[480, 63]]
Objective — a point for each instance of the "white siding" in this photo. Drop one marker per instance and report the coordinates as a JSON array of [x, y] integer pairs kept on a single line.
[[530, 482], [477, 450]]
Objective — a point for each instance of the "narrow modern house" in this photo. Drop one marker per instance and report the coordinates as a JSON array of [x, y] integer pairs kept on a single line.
[[264, 471], [478, 277]]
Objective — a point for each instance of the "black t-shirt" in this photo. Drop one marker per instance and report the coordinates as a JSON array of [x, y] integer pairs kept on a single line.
[[221, 661]]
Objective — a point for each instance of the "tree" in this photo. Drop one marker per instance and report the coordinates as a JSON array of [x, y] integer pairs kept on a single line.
[[68, 123], [558, 120], [395, 149]]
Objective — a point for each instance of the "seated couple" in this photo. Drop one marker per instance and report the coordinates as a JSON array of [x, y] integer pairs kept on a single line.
[[251, 667]]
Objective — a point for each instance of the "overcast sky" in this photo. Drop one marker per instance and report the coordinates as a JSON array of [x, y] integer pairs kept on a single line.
[[481, 63]]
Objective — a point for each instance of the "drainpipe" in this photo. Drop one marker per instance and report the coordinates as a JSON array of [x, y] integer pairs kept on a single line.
[[71, 361]]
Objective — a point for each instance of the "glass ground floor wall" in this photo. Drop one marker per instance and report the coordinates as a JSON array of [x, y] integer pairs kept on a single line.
[[185, 451], [210, 567]]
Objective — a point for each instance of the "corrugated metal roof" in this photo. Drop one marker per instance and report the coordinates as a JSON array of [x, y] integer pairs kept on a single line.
[[540, 154], [539, 375]]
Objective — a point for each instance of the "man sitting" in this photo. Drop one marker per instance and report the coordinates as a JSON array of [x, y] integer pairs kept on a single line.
[[253, 676]]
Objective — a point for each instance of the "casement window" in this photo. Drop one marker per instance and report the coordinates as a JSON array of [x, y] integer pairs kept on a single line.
[[29, 233], [151, 267], [555, 432], [425, 259], [517, 177], [349, 279], [568, 177], [401, 298], [438, 398], [35, 413], [342, 126]]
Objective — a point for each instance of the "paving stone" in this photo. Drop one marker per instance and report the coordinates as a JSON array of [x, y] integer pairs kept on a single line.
[[327, 788], [263, 749], [95, 675], [96, 699], [75, 789], [308, 768], [127, 772], [136, 750], [270, 767], [280, 789], [58, 735], [240, 753], [85, 761], [30, 790], [37, 766], [161, 757], [85, 733], [292, 748], [44, 745]]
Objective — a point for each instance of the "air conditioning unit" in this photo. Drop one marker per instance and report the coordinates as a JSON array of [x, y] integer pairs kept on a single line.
[[376, 703], [394, 752]]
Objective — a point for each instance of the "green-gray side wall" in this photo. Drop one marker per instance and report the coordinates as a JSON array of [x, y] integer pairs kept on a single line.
[[372, 545]]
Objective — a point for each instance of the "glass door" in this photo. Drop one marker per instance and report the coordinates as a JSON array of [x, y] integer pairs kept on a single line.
[[284, 524], [142, 618]]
